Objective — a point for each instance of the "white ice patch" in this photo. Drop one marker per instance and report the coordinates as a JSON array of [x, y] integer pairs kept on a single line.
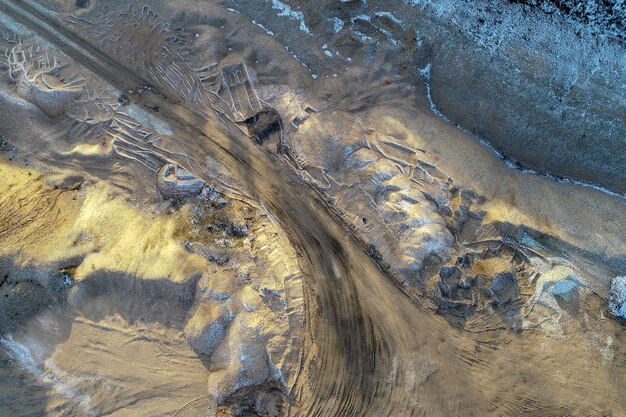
[[285, 10], [425, 72], [361, 35], [390, 16], [269, 32], [337, 24], [296, 58], [17, 352], [361, 17]]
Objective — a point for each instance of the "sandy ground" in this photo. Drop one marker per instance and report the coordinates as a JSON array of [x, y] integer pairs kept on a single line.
[[170, 295], [87, 275]]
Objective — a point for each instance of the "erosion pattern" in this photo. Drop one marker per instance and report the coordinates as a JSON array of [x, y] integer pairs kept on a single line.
[[413, 208], [368, 349], [160, 61], [434, 237], [254, 307], [534, 96]]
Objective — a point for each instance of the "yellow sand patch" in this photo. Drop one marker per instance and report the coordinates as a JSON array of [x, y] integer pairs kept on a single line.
[[42, 224]]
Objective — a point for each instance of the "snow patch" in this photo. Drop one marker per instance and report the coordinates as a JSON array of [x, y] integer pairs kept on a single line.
[[47, 373], [337, 24], [269, 32], [286, 10], [425, 72], [390, 16]]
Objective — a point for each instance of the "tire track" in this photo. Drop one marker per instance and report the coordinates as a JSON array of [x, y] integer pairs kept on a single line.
[[345, 382], [369, 350]]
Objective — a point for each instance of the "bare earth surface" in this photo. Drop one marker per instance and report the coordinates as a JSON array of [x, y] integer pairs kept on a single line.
[[269, 209]]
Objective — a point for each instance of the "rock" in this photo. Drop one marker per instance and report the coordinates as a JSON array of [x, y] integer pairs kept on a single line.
[[456, 308], [176, 182], [504, 288], [209, 253], [456, 300], [263, 124], [208, 326], [449, 279], [233, 81], [268, 404], [617, 297], [565, 291], [5, 145], [273, 299], [123, 100], [465, 261]]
